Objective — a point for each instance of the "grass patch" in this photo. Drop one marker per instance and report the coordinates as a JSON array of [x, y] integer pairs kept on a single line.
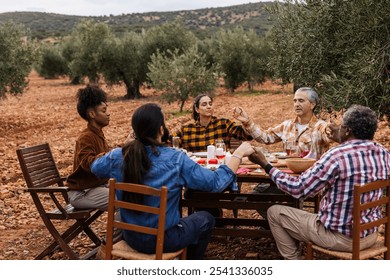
[[177, 114]]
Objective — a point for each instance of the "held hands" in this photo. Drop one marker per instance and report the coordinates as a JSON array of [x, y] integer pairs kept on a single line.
[[258, 157], [241, 115], [244, 150]]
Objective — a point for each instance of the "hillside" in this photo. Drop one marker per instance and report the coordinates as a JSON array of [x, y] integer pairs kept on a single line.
[[201, 21]]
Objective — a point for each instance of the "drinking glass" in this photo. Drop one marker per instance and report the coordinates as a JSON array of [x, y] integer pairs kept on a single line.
[[220, 151], [292, 149]]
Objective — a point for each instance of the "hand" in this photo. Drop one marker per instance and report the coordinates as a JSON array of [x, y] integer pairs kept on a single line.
[[258, 157], [130, 137], [244, 150], [332, 130], [241, 115]]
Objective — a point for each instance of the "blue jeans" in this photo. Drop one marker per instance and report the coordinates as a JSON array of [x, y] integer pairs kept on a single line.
[[193, 232]]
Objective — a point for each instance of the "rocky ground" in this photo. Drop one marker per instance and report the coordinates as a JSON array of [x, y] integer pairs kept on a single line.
[[46, 113]]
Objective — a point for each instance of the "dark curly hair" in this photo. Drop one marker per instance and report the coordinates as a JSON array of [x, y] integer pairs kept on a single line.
[[89, 97], [362, 121]]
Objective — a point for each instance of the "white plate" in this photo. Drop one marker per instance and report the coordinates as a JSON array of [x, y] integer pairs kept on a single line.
[[280, 155], [200, 154], [212, 166]]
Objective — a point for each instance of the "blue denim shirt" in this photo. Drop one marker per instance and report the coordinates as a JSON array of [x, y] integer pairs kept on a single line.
[[171, 168]]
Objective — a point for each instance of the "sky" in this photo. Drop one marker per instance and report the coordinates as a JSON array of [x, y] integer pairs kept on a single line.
[[112, 7]]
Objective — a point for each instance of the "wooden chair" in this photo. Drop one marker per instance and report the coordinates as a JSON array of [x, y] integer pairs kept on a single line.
[[380, 247], [44, 181], [121, 249]]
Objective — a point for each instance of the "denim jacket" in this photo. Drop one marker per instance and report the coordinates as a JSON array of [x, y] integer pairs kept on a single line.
[[171, 168]]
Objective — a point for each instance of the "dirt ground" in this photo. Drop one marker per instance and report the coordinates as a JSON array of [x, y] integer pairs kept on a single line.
[[46, 112]]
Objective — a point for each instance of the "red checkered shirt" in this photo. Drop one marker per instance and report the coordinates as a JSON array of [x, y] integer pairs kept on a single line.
[[336, 172]]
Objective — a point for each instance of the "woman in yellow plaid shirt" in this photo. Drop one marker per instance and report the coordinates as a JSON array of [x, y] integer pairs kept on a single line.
[[206, 128]]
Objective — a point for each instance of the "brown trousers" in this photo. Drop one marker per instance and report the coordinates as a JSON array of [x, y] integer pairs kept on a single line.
[[290, 225]]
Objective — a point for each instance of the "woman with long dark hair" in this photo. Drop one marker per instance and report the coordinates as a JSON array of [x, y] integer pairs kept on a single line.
[[146, 160], [206, 128]]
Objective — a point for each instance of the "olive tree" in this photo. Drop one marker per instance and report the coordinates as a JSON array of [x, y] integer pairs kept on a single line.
[[242, 56], [340, 47], [181, 75], [122, 61], [88, 36], [51, 63], [16, 60], [125, 59]]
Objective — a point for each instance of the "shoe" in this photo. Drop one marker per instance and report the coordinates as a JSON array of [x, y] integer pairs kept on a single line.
[[101, 253], [260, 188]]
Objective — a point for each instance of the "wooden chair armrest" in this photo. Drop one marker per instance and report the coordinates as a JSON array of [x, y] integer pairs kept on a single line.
[[49, 190]]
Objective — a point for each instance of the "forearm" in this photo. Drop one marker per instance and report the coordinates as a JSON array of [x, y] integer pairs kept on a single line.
[[260, 135], [235, 161], [262, 161]]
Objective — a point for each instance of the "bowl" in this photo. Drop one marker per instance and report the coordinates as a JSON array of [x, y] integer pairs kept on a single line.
[[298, 165]]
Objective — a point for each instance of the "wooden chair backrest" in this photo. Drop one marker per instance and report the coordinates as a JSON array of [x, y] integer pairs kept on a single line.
[[114, 203], [38, 166], [234, 144], [382, 202]]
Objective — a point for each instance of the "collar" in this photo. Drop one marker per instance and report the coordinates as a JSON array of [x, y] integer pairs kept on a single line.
[[311, 123], [213, 120], [97, 131]]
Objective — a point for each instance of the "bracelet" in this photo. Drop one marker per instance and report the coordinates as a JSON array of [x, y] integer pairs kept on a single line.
[[240, 158]]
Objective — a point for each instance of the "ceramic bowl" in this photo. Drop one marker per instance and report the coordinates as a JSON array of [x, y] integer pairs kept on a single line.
[[298, 165]]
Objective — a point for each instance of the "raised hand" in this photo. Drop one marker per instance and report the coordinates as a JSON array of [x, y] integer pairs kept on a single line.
[[332, 130], [240, 115]]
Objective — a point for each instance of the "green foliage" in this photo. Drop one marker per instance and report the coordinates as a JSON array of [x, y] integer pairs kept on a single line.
[[125, 58], [88, 35], [169, 36], [181, 75], [340, 47], [242, 56], [51, 64], [16, 60], [69, 49], [122, 61]]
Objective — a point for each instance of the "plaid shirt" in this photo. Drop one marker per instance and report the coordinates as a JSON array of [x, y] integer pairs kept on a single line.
[[196, 138], [336, 172], [288, 131]]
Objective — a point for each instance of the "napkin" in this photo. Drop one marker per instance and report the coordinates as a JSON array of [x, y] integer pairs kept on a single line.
[[243, 170]]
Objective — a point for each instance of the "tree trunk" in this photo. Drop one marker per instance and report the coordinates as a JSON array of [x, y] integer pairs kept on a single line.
[[132, 89], [2, 93], [296, 86], [182, 105], [250, 86]]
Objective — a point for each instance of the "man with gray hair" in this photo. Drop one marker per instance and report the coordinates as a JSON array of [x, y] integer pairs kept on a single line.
[[357, 160], [306, 130], [311, 135]]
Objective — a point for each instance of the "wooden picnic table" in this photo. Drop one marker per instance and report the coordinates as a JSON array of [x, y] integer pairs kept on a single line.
[[239, 226]]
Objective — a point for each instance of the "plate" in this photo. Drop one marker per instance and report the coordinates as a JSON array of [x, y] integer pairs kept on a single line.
[[212, 167], [280, 155], [200, 154]]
